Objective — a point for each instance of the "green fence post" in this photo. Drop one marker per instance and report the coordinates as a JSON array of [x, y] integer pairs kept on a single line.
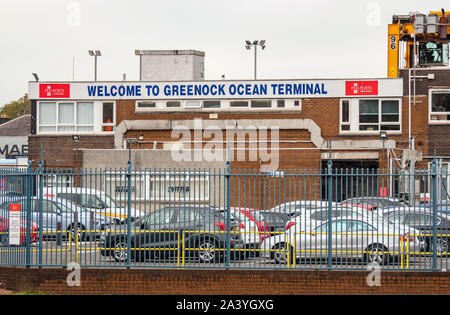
[[228, 183], [434, 205], [29, 196], [329, 197], [129, 214], [41, 192]]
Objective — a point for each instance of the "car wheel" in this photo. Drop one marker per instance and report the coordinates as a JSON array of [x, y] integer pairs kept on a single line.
[[442, 246], [280, 254], [4, 240], [73, 233], [207, 251], [377, 254], [119, 251]]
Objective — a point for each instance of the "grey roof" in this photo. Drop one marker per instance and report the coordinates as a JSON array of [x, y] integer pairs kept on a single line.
[[20, 126], [170, 52]]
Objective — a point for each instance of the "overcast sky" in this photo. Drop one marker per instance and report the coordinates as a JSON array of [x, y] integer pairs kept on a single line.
[[305, 39]]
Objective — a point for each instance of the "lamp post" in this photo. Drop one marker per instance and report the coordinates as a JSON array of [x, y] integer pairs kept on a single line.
[[383, 138], [95, 54], [76, 139], [129, 142], [255, 44]]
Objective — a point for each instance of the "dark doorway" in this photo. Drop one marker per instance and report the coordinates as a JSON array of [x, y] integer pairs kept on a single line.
[[351, 178]]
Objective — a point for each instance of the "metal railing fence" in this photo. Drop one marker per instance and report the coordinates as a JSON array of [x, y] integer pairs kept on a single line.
[[225, 218]]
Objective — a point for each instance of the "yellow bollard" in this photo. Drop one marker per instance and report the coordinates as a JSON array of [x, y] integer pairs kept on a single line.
[[287, 255], [183, 250], [294, 253], [401, 253], [407, 255]]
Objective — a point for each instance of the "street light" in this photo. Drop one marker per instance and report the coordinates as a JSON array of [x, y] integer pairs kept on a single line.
[[95, 54], [383, 137], [249, 44], [129, 142]]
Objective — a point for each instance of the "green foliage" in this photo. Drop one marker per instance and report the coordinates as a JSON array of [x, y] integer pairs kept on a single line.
[[16, 108]]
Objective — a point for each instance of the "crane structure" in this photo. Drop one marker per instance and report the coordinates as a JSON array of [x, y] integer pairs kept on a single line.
[[422, 41]]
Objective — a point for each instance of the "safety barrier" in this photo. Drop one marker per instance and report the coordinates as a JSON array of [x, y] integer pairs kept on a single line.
[[203, 218]]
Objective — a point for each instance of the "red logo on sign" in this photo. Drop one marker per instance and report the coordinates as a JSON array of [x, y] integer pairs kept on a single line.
[[54, 90], [14, 207], [361, 88]]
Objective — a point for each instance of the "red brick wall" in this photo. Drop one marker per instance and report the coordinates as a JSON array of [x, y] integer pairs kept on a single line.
[[59, 150], [220, 282]]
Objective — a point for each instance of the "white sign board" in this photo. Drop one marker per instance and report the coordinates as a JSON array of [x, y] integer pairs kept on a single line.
[[14, 224], [262, 89]]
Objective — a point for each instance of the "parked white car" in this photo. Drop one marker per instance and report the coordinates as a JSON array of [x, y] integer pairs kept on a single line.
[[313, 216], [92, 200], [374, 241], [295, 207]]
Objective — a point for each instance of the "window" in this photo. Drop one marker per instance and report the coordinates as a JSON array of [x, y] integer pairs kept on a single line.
[[159, 217], [47, 206], [187, 215], [211, 104], [280, 103], [261, 104], [173, 104], [238, 103], [396, 218], [47, 116], [336, 227], [193, 104], [66, 116], [419, 220], [146, 104], [369, 115], [108, 117], [345, 115], [360, 226], [439, 105], [85, 116], [390, 114]]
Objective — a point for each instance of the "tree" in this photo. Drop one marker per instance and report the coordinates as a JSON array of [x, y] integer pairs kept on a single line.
[[16, 108]]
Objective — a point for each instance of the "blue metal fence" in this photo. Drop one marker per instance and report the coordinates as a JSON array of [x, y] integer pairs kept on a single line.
[[225, 218]]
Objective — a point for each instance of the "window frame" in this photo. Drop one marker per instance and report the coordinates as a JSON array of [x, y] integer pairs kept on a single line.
[[225, 105], [75, 116], [430, 107], [354, 117], [113, 124]]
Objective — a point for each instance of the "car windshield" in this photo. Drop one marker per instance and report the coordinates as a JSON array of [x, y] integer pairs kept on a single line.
[[64, 208], [259, 217], [110, 203]]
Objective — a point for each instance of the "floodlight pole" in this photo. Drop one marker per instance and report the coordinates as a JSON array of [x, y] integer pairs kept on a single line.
[[95, 68], [255, 43]]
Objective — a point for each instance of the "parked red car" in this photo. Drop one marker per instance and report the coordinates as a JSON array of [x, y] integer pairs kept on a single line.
[[257, 218], [4, 237]]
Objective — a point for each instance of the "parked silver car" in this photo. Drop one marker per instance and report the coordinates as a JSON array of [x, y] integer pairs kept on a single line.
[[375, 241], [61, 211]]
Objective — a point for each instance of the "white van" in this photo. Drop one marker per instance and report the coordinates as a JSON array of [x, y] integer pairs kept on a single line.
[[92, 200]]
